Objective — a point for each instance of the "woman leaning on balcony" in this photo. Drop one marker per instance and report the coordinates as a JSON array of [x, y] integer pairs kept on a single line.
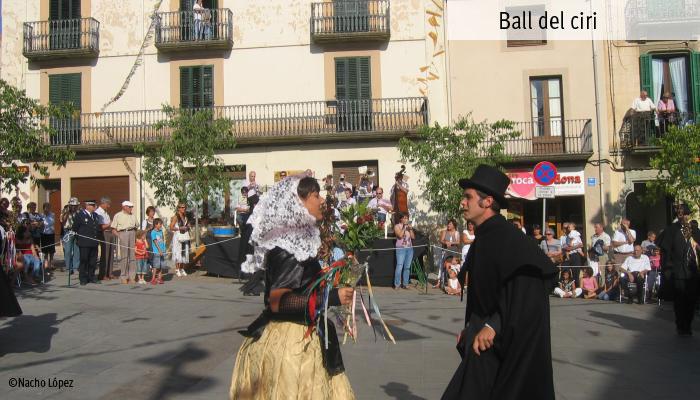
[[667, 112]]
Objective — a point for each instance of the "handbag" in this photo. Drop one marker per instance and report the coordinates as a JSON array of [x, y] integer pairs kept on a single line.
[[183, 237], [555, 259]]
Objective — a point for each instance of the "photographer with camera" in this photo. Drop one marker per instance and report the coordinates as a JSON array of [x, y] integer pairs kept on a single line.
[[404, 251], [71, 252], [623, 241]]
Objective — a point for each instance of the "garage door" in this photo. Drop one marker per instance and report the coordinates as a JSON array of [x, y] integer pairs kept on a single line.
[[114, 187]]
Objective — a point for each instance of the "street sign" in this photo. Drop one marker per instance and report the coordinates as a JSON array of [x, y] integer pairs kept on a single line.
[[544, 173], [591, 181], [544, 192]]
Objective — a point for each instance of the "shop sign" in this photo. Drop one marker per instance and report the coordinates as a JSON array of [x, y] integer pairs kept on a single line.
[[569, 181], [592, 182]]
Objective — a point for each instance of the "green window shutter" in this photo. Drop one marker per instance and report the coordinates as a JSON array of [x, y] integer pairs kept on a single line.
[[341, 81], [695, 82], [197, 86], [186, 87], [353, 79], [65, 88], [186, 5], [364, 80], [207, 86], [645, 74], [73, 87], [55, 10]]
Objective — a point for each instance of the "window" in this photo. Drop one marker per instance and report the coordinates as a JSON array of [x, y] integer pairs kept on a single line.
[[65, 88], [219, 206], [546, 105], [196, 86], [353, 91], [526, 37], [676, 74], [64, 24], [351, 15]]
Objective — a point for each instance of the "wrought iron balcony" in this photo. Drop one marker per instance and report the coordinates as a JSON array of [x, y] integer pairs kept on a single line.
[[553, 138], [260, 123], [641, 131], [187, 30], [350, 20], [63, 38]]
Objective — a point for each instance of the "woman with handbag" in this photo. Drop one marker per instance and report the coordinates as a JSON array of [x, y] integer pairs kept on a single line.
[[180, 227], [552, 247]]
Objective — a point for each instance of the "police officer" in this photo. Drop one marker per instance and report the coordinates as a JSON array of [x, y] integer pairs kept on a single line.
[[87, 225]]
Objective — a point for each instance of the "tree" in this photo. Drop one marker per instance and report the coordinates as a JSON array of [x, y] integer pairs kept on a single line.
[[678, 165], [184, 165], [24, 137], [445, 154]]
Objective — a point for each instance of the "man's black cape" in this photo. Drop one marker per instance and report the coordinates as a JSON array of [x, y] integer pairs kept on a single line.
[[510, 279]]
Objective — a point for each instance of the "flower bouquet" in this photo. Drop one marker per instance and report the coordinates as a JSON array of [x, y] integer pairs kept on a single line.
[[354, 231]]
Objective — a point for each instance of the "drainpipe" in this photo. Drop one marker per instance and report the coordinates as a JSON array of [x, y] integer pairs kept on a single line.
[[597, 121]]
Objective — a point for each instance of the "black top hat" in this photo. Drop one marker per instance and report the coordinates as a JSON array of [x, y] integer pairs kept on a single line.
[[490, 181], [89, 202]]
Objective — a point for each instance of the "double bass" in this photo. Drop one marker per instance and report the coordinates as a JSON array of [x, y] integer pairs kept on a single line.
[[399, 194]]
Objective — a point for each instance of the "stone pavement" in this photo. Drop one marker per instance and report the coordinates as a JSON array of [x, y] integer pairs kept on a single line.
[[179, 340]]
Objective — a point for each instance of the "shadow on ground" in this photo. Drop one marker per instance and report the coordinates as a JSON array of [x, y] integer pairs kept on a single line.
[[29, 333], [400, 391]]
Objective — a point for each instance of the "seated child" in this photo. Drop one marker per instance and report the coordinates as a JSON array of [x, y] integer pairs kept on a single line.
[[567, 287], [589, 284], [453, 287], [611, 286]]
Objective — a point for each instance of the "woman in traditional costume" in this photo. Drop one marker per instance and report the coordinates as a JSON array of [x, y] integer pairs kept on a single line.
[[282, 356]]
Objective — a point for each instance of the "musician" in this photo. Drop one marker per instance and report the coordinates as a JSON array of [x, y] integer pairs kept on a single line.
[[681, 267], [399, 194]]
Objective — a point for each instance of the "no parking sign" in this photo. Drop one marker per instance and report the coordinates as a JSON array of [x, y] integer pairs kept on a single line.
[[544, 173]]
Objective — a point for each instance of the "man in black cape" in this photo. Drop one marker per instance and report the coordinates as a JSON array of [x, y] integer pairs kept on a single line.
[[680, 266], [505, 347]]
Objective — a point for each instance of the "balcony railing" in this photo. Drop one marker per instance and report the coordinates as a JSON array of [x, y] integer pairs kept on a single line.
[[551, 138], [185, 30], [324, 120], [662, 11], [79, 37], [641, 131], [347, 20]]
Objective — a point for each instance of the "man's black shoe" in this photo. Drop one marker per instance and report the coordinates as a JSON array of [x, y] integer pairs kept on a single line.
[[83, 283], [629, 301]]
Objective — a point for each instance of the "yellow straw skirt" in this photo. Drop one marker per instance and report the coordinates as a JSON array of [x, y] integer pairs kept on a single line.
[[284, 365]]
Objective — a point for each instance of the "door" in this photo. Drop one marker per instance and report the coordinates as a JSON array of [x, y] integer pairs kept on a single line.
[[351, 15], [64, 24], [547, 115], [353, 92], [94, 188], [65, 88], [56, 208]]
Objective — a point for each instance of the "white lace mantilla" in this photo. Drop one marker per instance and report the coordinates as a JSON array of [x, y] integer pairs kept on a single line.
[[281, 220]]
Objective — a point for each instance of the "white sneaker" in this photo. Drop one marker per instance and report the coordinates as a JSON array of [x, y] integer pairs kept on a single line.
[[177, 272], [183, 272], [142, 282]]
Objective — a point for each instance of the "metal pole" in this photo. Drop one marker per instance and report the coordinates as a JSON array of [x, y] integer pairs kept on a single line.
[[597, 121], [544, 214]]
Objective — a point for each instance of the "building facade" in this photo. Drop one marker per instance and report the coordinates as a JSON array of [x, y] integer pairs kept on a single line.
[[323, 85]]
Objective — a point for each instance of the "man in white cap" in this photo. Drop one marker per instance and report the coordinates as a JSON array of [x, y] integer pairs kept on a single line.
[[124, 225]]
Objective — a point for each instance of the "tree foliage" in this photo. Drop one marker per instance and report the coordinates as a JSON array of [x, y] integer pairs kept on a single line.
[[678, 164], [24, 134], [184, 164], [445, 154]]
